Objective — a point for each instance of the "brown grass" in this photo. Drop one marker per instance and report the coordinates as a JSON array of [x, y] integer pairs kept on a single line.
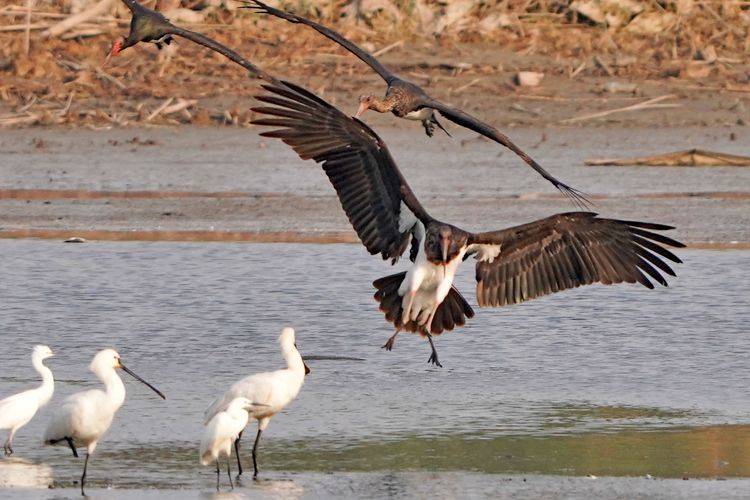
[[64, 80]]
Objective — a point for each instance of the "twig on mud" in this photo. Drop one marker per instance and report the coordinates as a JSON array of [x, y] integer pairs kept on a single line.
[[64, 112], [158, 110], [649, 104], [464, 87], [388, 48], [27, 31], [76, 19], [106, 76], [12, 121]]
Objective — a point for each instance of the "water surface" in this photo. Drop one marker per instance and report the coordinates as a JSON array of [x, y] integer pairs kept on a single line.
[[604, 381]]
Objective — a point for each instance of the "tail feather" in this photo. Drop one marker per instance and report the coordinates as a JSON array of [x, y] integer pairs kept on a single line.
[[452, 312]]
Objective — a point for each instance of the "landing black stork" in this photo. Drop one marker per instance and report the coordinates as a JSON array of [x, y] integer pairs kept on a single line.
[[408, 100], [147, 25], [513, 265]]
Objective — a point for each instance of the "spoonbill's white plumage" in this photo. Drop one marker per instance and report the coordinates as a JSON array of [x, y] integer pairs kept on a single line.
[[84, 417], [17, 410], [269, 392], [223, 430]]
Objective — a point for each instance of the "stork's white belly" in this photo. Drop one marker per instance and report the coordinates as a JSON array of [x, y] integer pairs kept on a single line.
[[419, 115], [425, 287]]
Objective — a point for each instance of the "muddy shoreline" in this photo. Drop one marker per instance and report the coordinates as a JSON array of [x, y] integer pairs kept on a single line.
[[221, 184]]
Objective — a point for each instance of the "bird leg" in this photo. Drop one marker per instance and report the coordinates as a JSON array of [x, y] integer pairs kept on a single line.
[[429, 127], [83, 476], [433, 357], [407, 310], [73, 447], [218, 473], [237, 452], [391, 340], [255, 455], [8, 446], [229, 473]]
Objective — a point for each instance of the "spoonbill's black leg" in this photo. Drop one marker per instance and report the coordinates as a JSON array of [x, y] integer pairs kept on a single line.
[[255, 455], [433, 357], [237, 452], [83, 476], [72, 447], [229, 473], [218, 473]]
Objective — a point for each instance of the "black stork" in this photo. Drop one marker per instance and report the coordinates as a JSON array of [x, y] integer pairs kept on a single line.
[[147, 25], [513, 265], [408, 100]]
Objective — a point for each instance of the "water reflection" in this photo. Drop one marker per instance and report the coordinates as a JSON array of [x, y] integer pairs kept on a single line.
[[20, 473]]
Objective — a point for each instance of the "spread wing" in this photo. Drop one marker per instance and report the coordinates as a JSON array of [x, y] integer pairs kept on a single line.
[[363, 55], [466, 120], [566, 251], [375, 196]]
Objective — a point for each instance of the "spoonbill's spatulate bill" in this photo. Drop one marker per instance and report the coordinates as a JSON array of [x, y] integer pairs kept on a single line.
[[410, 101], [513, 265], [222, 430], [269, 392], [84, 417], [17, 410]]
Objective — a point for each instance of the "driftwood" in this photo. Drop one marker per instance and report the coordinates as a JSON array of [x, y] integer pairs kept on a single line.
[[687, 158], [649, 104]]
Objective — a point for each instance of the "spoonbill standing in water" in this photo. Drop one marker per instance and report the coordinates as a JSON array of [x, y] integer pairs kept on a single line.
[[221, 431], [17, 410], [85, 416], [269, 392]]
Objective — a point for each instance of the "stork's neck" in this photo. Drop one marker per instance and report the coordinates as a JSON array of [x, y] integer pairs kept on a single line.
[[114, 387], [47, 388], [384, 105]]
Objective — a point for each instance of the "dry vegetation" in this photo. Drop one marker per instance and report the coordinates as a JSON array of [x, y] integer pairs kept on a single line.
[[54, 73]]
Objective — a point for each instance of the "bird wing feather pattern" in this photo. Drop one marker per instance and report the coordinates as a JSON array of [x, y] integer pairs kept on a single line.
[[362, 54], [566, 251], [380, 205]]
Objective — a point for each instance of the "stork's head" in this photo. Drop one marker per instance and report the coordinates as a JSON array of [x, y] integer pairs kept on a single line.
[[41, 352], [146, 26], [444, 243], [289, 345]]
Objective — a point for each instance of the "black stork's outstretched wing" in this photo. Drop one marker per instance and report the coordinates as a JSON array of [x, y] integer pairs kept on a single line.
[[148, 25], [566, 251], [380, 204], [467, 121], [362, 54], [420, 99]]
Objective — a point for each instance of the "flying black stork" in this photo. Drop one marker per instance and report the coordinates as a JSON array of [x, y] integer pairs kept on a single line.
[[147, 25], [408, 100], [513, 265]]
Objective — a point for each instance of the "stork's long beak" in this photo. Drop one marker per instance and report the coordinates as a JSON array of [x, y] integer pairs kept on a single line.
[[307, 369], [362, 108], [139, 379], [445, 243]]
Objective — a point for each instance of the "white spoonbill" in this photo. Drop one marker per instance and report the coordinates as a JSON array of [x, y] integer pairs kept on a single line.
[[85, 416], [17, 410], [223, 430], [269, 392]]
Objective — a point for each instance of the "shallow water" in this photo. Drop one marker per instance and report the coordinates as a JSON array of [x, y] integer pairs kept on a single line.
[[609, 381]]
